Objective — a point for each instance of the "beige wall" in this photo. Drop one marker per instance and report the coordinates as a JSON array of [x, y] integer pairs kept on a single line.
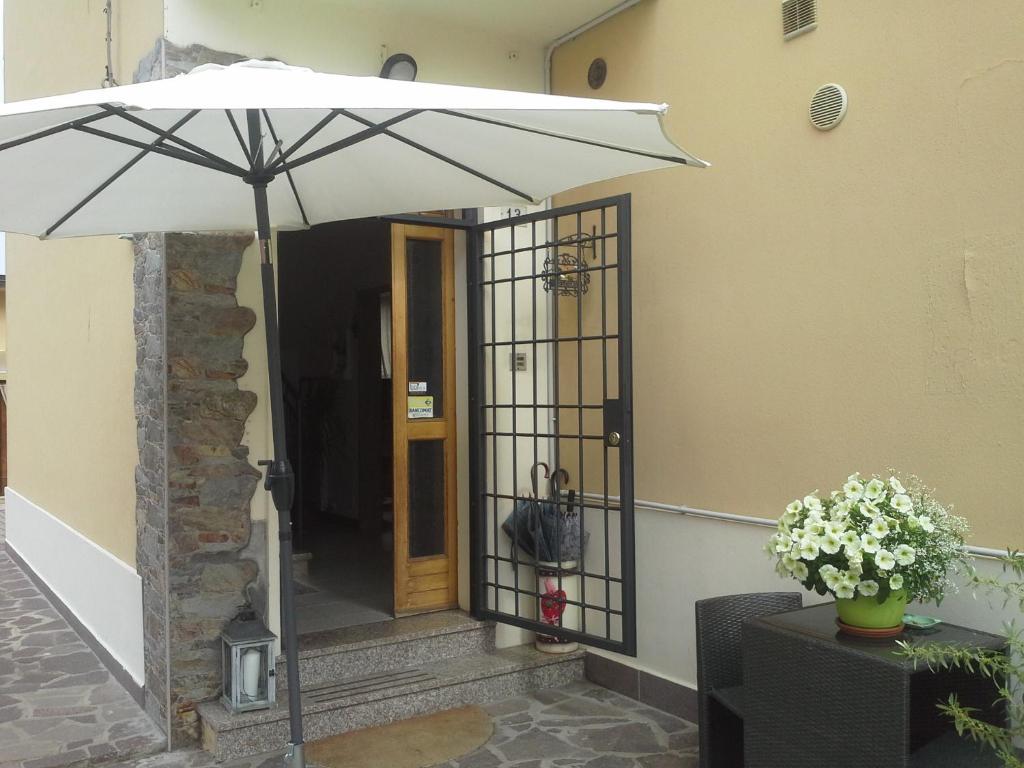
[[71, 427], [3, 334], [334, 36], [3, 318], [817, 303]]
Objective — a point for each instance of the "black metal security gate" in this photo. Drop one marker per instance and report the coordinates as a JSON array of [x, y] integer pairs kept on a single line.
[[551, 433]]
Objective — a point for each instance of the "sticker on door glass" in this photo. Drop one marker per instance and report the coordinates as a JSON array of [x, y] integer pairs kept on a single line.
[[417, 386], [421, 407]]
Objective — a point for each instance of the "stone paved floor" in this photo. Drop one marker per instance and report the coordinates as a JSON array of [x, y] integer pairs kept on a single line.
[[577, 726], [58, 704], [583, 725]]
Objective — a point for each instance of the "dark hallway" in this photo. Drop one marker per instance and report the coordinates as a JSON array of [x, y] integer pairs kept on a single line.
[[335, 282]]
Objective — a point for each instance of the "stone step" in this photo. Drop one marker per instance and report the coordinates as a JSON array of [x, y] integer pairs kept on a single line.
[[384, 697], [399, 644]]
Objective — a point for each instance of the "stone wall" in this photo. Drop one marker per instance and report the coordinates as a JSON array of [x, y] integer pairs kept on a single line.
[[167, 60], [198, 556], [209, 479], [194, 482], [151, 472]]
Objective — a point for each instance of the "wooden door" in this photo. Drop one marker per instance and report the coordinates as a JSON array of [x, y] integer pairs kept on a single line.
[[423, 377]]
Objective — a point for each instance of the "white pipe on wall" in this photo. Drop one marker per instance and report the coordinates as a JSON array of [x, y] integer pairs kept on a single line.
[[764, 522], [558, 41]]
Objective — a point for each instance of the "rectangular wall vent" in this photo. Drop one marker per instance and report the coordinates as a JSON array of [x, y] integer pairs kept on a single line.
[[798, 16]]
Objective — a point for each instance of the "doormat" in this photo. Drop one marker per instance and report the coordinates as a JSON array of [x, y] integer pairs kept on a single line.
[[413, 743]]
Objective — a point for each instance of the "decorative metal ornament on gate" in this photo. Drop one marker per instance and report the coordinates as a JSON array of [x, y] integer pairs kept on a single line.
[[566, 272]]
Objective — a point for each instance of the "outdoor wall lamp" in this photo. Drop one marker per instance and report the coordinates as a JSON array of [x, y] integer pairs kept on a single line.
[[399, 66]]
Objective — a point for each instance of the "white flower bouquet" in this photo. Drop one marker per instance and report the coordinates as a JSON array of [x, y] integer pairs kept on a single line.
[[872, 538]]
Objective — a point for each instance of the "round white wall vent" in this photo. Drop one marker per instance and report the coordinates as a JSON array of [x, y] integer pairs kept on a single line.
[[828, 106]]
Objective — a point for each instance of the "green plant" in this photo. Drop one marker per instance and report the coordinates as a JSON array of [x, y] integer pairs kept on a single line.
[[1006, 670], [872, 537]]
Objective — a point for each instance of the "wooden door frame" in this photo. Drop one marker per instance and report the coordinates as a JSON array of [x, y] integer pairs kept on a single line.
[[425, 576]]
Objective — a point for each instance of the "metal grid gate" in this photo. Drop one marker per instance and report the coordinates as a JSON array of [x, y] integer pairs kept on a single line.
[[551, 481]]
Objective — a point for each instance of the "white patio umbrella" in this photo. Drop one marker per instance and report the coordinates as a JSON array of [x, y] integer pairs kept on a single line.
[[201, 151]]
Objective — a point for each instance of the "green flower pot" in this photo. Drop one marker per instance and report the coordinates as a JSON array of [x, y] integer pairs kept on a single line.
[[868, 613]]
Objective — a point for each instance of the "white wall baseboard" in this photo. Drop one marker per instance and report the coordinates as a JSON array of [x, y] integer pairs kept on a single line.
[[104, 593]]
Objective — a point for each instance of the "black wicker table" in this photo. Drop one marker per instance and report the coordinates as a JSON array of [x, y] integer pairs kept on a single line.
[[816, 697]]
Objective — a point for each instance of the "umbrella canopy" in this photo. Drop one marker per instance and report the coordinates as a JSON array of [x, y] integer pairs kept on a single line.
[[350, 146], [199, 152]]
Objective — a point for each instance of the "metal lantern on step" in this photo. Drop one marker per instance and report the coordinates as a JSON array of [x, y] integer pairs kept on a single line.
[[248, 664]]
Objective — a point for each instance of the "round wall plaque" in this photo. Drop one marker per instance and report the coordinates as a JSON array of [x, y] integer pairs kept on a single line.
[[597, 73]]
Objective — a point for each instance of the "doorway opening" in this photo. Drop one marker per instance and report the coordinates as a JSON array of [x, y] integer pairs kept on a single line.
[[335, 319]]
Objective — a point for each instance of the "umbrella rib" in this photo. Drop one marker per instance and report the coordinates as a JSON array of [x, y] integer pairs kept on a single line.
[[553, 135], [238, 135], [55, 129], [444, 158], [124, 114], [355, 138], [291, 181], [120, 172], [171, 152], [306, 136]]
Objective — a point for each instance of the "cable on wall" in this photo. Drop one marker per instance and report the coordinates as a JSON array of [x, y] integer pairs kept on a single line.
[[108, 80]]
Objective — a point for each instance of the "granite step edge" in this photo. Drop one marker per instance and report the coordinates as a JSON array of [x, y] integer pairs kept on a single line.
[[443, 673], [391, 632], [259, 738], [339, 665]]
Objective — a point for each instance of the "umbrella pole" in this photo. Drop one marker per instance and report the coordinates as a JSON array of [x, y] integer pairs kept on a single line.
[[280, 478]]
